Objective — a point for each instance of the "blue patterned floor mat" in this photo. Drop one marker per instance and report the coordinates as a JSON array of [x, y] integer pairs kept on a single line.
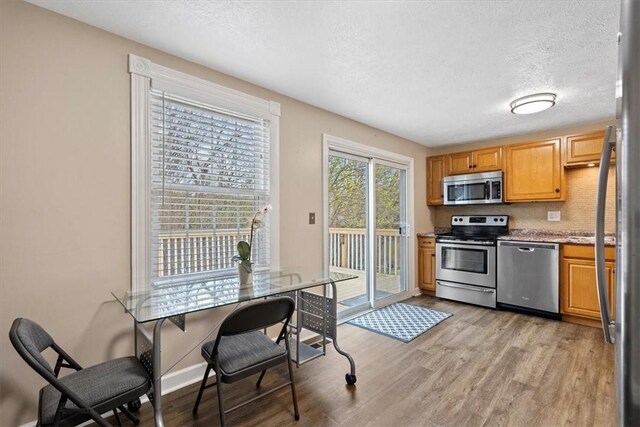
[[403, 322]]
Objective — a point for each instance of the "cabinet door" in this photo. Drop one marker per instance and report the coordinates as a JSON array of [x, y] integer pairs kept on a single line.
[[534, 171], [489, 159], [426, 264], [460, 163], [435, 172], [583, 149], [579, 293]]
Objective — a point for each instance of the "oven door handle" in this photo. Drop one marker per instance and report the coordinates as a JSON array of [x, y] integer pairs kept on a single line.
[[467, 288]]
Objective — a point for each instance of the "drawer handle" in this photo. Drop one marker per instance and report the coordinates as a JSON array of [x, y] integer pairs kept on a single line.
[[467, 288]]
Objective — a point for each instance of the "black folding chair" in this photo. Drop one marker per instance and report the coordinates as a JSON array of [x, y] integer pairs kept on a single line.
[[241, 349], [85, 393]]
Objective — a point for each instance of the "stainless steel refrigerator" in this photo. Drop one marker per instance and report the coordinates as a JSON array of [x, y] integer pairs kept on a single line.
[[624, 331]]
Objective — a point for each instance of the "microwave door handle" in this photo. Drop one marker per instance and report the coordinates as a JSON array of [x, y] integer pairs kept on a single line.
[[601, 195], [487, 190]]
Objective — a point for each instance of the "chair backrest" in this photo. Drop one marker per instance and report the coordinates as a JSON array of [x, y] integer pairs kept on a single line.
[[30, 340], [258, 315]]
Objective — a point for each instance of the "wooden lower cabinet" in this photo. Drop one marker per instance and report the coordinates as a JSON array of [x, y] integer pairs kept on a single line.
[[427, 264], [578, 289]]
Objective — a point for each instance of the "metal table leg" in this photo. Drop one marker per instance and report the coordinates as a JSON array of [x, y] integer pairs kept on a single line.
[[351, 376], [148, 349]]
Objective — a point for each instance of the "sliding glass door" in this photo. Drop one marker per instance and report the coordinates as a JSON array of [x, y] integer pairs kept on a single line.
[[390, 232], [348, 222], [367, 220]]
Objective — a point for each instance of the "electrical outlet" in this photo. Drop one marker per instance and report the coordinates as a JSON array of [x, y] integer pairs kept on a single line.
[[553, 215], [312, 217]]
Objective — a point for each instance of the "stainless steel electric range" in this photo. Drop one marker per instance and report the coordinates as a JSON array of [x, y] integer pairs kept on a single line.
[[466, 259]]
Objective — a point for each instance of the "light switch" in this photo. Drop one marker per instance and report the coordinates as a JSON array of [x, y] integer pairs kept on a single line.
[[312, 217], [553, 215]]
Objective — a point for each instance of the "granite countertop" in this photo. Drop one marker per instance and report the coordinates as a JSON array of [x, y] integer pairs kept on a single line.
[[527, 235], [439, 230], [575, 237], [429, 234]]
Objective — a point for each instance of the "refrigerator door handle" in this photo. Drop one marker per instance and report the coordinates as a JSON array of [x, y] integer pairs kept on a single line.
[[601, 278]]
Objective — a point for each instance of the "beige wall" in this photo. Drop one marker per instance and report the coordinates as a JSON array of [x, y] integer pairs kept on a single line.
[[577, 213], [65, 189]]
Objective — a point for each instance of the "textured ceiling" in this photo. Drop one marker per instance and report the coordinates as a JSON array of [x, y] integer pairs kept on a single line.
[[434, 72]]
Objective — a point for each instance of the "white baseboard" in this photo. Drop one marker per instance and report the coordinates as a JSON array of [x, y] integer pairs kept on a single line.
[[182, 378], [170, 383]]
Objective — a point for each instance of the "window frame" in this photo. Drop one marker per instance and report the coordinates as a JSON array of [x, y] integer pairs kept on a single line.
[[145, 75]]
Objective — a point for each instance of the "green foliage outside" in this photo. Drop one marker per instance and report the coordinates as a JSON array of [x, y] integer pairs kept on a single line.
[[348, 194]]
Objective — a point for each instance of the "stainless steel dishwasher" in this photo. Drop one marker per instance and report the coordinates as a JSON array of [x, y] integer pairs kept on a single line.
[[528, 277]]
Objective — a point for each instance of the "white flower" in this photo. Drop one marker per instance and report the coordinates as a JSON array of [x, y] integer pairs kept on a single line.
[[258, 221]]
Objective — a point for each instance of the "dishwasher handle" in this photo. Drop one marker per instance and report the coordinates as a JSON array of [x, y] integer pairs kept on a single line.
[[528, 246]]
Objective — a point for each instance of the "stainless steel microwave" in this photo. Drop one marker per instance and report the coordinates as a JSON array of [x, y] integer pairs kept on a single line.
[[473, 189]]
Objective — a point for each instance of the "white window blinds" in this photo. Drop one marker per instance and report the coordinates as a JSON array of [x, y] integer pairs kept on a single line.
[[209, 175]]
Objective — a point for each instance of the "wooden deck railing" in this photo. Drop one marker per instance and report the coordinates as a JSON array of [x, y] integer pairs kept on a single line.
[[347, 249], [182, 253]]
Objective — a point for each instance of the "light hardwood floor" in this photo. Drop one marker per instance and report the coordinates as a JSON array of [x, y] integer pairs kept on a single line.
[[478, 368]]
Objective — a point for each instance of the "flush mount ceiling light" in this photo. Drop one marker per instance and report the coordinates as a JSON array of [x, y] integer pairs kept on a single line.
[[533, 103]]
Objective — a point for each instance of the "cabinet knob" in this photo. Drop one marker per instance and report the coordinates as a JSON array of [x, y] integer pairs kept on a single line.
[[470, 166], [557, 190]]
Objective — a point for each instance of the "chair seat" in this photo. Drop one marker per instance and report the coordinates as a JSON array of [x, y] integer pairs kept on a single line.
[[238, 352], [99, 384]]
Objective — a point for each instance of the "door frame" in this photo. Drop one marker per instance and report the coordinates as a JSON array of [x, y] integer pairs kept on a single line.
[[334, 143]]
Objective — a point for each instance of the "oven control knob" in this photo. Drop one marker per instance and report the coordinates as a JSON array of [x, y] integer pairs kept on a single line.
[[501, 219], [495, 219]]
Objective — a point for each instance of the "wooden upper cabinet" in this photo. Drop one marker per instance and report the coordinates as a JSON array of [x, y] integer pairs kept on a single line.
[[436, 170], [460, 163], [488, 159], [485, 160], [534, 171], [580, 150]]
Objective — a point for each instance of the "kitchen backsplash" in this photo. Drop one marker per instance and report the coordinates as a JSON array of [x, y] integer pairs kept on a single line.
[[578, 213]]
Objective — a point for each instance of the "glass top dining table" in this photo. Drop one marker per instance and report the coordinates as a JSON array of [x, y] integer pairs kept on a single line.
[[179, 297]]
